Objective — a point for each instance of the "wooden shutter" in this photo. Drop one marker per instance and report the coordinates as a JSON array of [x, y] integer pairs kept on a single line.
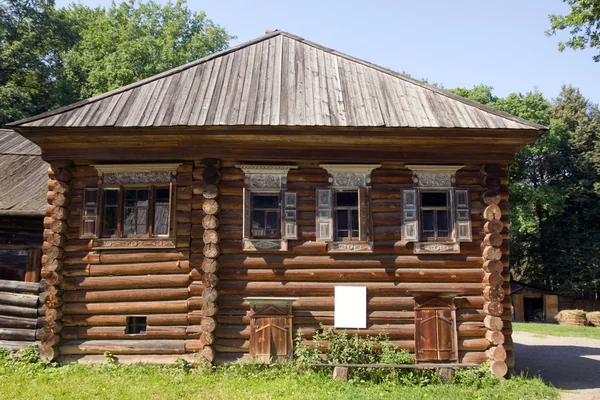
[[445, 337], [364, 214], [463, 217], [279, 338], [426, 335], [90, 213], [260, 339], [289, 215], [247, 213], [324, 215], [410, 216]]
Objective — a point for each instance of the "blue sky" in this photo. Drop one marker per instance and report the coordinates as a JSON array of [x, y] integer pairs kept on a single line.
[[455, 43]]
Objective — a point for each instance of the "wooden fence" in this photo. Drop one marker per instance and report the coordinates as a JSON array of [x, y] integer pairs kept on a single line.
[[19, 322], [587, 305]]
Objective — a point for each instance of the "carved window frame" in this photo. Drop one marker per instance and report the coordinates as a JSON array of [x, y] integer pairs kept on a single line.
[[435, 178], [123, 177], [346, 177], [265, 180]]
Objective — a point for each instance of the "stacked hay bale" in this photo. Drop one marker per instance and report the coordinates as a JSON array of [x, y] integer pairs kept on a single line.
[[571, 317], [593, 318]]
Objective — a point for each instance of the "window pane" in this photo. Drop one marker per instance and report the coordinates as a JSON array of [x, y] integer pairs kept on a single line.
[[429, 234], [161, 212], [258, 220], [354, 214], [89, 227], [434, 199], [443, 234], [272, 223], [428, 224], [111, 197], [129, 221], [442, 220], [109, 223], [342, 234], [135, 221], [347, 199], [130, 198], [342, 219], [265, 202]]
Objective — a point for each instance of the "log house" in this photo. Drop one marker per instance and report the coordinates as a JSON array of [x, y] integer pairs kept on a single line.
[[214, 208]]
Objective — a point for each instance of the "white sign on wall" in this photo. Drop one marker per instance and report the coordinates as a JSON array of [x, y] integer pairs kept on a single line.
[[350, 307]]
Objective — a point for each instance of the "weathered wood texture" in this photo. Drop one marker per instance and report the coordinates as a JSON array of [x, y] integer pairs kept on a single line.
[[493, 280], [100, 289], [19, 322]]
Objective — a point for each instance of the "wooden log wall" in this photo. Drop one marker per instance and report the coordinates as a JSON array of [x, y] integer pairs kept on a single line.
[[101, 288], [19, 320], [495, 276], [309, 272], [205, 253]]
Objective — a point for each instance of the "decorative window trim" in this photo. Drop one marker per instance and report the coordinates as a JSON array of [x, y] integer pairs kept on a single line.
[[134, 175], [345, 177], [436, 178], [269, 179]]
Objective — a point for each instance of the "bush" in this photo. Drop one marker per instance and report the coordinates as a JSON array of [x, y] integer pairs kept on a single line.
[[337, 347]]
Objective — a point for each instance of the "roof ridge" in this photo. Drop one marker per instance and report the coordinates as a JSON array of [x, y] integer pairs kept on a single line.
[[144, 81], [422, 84]]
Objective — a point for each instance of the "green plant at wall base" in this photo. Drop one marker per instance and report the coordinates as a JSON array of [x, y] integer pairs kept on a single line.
[[337, 347], [111, 359]]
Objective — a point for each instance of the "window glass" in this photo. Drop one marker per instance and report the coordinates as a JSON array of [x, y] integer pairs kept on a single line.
[[161, 212], [136, 212], [265, 216], [265, 201], [435, 224], [109, 220], [434, 199], [346, 215], [347, 199]]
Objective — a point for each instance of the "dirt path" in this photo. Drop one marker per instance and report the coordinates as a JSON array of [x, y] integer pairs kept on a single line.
[[568, 363]]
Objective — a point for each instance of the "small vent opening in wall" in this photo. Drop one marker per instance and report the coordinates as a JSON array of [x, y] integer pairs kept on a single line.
[[136, 325]]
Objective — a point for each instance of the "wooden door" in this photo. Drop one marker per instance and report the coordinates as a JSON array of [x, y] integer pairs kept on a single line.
[[260, 341], [426, 335], [445, 336], [279, 338], [270, 338]]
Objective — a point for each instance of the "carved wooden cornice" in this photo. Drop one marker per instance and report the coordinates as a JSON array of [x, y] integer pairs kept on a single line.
[[266, 176], [434, 176], [349, 175], [122, 174]]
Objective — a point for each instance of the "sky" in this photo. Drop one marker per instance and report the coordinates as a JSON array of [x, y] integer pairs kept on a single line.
[[460, 43]]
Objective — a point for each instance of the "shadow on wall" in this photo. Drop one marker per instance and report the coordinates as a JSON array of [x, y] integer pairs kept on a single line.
[[565, 367]]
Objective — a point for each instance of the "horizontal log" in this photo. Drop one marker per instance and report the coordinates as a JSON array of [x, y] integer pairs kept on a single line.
[[125, 282], [17, 299], [273, 261], [19, 322], [126, 295], [17, 334], [120, 320], [286, 288], [15, 345], [472, 357], [163, 359], [165, 267], [138, 257], [145, 307], [405, 331], [118, 332], [19, 287], [354, 275], [30, 312], [302, 318], [122, 346]]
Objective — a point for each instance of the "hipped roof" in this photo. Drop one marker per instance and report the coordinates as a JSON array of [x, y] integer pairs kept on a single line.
[[279, 80], [24, 178]]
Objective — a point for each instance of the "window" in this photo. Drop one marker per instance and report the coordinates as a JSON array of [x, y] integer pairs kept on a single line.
[[135, 326], [265, 216], [343, 217], [135, 212], [130, 207], [346, 215], [435, 216], [270, 211]]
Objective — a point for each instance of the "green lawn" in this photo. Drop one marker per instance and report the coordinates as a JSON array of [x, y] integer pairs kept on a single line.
[[33, 380], [558, 330]]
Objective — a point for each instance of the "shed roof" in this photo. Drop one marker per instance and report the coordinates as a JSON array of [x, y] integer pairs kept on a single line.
[[279, 80], [24, 178]]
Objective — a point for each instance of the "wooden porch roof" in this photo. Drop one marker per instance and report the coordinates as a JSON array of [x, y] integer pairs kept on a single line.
[[279, 80]]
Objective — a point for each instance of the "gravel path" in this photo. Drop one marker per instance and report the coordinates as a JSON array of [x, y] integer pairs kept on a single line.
[[566, 362]]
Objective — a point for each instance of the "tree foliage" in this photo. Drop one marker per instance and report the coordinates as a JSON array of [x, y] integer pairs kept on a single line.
[[583, 23], [554, 196], [52, 57]]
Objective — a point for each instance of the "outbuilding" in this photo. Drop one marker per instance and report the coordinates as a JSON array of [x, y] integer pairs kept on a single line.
[[274, 187]]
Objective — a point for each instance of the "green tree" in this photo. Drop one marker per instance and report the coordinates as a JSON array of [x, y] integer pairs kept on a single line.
[[134, 40], [583, 23], [33, 39]]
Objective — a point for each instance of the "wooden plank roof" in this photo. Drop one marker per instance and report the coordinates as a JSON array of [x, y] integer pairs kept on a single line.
[[279, 80], [24, 178]]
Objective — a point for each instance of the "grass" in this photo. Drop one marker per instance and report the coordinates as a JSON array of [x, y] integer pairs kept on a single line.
[[558, 330], [30, 378]]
